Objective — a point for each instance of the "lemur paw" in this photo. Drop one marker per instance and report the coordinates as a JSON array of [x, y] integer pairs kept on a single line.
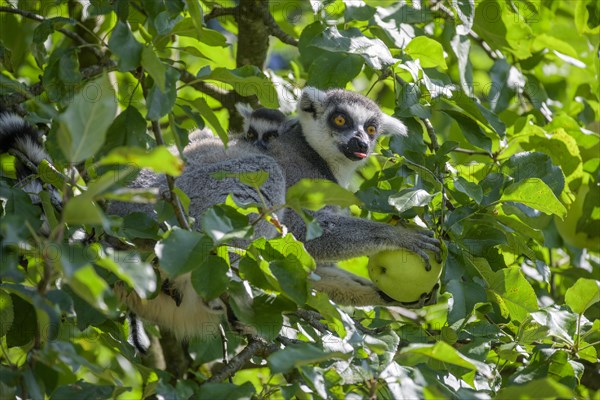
[[425, 299], [422, 242]]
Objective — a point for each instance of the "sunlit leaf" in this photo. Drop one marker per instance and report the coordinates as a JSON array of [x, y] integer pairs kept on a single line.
[[582, 295]]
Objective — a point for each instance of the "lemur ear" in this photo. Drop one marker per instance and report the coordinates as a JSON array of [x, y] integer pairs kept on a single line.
[[288, 125], [311, 101], [244, 109], [391, 126]]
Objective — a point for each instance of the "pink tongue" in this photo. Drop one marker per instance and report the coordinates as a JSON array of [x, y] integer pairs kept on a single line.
[[361, 155]]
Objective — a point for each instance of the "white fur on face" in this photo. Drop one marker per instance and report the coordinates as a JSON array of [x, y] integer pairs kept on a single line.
[[261, 126], [327, 142]]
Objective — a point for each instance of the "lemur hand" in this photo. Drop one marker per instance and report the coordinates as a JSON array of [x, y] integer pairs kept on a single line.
[[421, 242]]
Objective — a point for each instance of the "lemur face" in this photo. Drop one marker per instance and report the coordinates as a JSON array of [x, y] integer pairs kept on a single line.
[[346, 122], [263, 126]]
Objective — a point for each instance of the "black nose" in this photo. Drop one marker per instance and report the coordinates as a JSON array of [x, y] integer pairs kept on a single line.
[[357, 145], [261, 144]]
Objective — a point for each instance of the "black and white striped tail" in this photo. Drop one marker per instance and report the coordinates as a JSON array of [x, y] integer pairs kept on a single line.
[[137, 336], [18, 134], [21, 139]]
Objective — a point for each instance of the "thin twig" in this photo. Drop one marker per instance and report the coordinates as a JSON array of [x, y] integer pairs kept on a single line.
[[473, 152], [314, 319], [431, 133], [274, 28], [70, 34], [221, 11], [256, 345], [170, 196], [23, 159], [38, 88]]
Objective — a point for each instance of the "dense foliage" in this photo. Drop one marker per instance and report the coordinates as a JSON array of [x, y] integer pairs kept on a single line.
[[501, 98]]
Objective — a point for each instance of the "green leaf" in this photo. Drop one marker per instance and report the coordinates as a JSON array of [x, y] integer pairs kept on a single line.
[[445, 353], [560, 322], [291, 277], [314, 194], [525, 165], [296, 355], [428, 51], [226, 391], [156, 68], [24, 325], [84, 124], [334, 70], [584, 17], [210, 278], [248, 80], [189, 27], [140, 225], [284, 247], [83, 390], [471, 131], [182, 251], [321, 303], [161, 102], [159, 159], [471, 189], [562, 148], [224, 223], [125, 46], [7, 314], [264, 312], [534, 193], [49, 174], [254, 179], [375, 53], [477, 112], [209, 115], [130, 268], [409, 199], [196, 15], [513, 294], [582, 295], [128, 129], [544, 388], [61, 75], [89, 286], [503, 28], [83, 210]]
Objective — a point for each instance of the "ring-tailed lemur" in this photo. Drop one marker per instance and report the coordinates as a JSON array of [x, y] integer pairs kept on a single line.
[[335, 133], [261, 125]]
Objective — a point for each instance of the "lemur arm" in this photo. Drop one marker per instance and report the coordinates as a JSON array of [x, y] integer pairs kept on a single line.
[[345, 288], [346, 237]]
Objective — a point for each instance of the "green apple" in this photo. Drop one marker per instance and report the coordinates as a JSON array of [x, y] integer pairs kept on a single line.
[[568, 227], [401, 274]]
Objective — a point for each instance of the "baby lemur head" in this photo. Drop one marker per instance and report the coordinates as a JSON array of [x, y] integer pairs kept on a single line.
[[343, 125], [260, 125]]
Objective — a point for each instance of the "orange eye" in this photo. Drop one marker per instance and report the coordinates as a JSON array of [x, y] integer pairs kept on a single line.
[[371, 130], [339, 120]]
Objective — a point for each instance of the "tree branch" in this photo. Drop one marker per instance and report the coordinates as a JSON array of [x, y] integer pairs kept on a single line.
[[314, 319], [431, 133], [256, 346], [36, 89], [222, 11], [274, 29], [70, 34]]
